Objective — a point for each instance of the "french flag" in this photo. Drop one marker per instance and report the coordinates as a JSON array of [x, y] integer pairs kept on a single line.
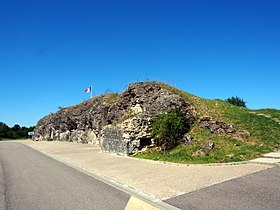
[[88, 90]]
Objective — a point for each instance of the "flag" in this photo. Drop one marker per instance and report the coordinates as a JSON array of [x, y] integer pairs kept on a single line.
[[88, 90]]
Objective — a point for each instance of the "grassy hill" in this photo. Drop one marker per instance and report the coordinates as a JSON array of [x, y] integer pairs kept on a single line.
[[263, 126]]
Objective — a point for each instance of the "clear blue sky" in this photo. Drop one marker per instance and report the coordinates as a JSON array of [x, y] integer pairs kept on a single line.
[[50, 51]]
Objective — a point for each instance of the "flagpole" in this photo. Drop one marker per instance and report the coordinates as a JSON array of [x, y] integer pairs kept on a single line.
[[91, 91]]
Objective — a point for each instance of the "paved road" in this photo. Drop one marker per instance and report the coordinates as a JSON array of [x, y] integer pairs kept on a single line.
[[260, 190], [30, 180]]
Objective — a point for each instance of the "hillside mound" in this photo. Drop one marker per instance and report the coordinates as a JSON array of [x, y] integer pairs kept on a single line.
[[121, 123]]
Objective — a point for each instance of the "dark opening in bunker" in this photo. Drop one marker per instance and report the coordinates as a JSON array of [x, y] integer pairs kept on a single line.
[[145, 142]]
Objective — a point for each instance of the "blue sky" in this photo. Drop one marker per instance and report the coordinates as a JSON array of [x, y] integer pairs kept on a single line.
[[50, 51]]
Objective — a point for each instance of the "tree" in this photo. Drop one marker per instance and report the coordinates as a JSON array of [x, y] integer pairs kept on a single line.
[[168, 129], [16, 132], [3, 130], [16, 127], [236, 101]]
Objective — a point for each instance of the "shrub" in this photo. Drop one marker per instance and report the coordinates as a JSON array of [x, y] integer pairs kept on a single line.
[[168, 129], [236, 101]]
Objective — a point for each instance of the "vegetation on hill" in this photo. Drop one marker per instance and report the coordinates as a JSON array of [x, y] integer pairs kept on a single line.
[[263, 126], [15, 132], [168, 129], [236, 101]]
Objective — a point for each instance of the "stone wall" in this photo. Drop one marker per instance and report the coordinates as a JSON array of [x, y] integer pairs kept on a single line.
[[113, 142], [128, 137]]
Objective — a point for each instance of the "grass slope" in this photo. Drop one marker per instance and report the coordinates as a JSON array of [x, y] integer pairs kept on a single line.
[[263, 125]]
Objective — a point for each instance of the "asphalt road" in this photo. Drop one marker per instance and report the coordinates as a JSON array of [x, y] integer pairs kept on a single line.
[[30, 180], [260, 190]]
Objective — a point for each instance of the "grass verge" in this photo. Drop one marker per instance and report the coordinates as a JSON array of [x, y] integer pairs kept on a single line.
[[262, 125]]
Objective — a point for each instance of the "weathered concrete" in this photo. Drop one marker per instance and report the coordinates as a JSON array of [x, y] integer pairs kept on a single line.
[[272, 158], [269, 161], [272, 155]]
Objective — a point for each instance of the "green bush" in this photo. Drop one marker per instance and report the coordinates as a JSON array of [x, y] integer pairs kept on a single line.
[[168, 129], [236, 101]]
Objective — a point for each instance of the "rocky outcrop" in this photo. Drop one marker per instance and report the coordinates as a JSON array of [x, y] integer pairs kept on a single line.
[[218, 127], [208, 146], [119, 123]]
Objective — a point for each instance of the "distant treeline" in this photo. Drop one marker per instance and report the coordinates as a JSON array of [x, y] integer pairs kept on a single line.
[[15, 132]]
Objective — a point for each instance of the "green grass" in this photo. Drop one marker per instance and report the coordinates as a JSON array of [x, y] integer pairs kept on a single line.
[[227, 149], [264, 133]]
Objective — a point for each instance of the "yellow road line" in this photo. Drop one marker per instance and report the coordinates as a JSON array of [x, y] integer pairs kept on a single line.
[[137, 204]]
